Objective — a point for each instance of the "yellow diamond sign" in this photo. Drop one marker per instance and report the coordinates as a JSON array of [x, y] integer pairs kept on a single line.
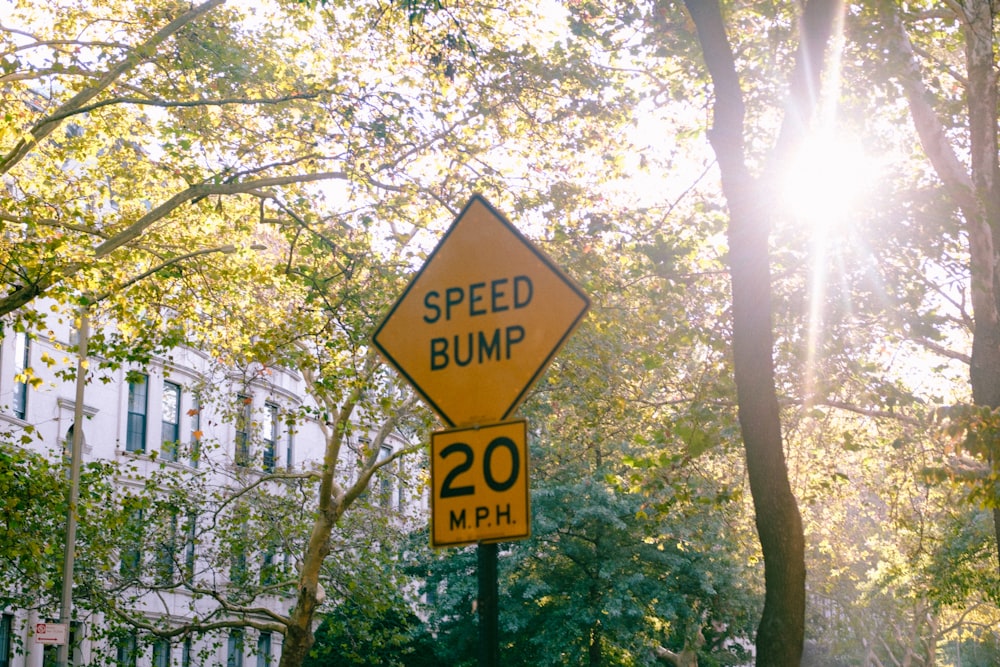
[[481, 320]]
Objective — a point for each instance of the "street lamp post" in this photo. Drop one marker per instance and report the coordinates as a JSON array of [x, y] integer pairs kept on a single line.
[[76, 457]]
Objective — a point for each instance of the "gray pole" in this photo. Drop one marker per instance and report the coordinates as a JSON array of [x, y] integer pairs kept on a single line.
[[66, 613]]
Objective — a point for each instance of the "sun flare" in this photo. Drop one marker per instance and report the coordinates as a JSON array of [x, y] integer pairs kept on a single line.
[[827, 180], [823, 193]]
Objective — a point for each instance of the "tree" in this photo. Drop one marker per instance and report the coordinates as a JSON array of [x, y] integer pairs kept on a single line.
[[258, 186], [32, 521], [59, 235], [969, 183], [146, 165], [203, 123], [604, 580], [779, 637]]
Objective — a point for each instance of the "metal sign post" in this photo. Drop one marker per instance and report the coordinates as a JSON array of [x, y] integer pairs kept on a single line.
[[489, 605]]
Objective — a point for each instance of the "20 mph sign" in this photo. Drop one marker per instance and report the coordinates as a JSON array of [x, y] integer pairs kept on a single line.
[[481, 320], [479, 484]]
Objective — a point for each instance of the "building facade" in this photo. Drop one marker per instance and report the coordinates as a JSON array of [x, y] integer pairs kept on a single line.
[[181, 418]]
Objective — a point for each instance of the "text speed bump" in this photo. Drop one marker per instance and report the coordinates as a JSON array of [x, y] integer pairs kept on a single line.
[[479, 484], [481, 320]]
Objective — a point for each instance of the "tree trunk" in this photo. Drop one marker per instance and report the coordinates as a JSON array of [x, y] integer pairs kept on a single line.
[[299, 635], [594, 651], [996, 532], [984, 233], [779, 525]]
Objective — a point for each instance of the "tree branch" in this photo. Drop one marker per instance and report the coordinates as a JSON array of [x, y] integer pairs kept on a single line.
[[929, 127], [23, 294], [167, 104], [46, 126]]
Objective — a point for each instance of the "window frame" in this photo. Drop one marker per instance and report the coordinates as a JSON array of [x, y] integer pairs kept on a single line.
[[166, 553], [190, 546], [234, 647], [50, 652], [170, 431], [196, 434], [239, 567], [268, 562], [127, 650], [187, 649], [386, 486], [131, 551], [243, 454], [6, 639], [22, 362], [135, 430], [270, 437], [264, 649], [161, 653]]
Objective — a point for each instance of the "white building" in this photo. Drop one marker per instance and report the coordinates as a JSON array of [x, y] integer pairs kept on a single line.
[[155, 420]]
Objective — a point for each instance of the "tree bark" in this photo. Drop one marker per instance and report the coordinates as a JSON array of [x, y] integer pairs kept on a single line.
[[688, 657], [779, 525]]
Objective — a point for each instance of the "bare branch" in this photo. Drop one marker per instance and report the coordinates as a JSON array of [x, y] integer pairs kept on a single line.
[[53, 222]]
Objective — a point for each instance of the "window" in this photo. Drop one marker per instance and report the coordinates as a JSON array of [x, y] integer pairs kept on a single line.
[[238, 574], [385, 477], [127, 651], [161, 653], [195, 430], [166, 552], [289, 448], [171, 429], [264, 649], [68, 448], [270, 436], [132, 545], [135, 435], [21, 365], [243, 421], [189, 547], [234, 649], [6, 628], [268, 568], [186, 651], [401, 489], [50, 652]]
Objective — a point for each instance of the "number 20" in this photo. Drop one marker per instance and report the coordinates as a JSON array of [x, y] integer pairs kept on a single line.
[[449, 491]]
